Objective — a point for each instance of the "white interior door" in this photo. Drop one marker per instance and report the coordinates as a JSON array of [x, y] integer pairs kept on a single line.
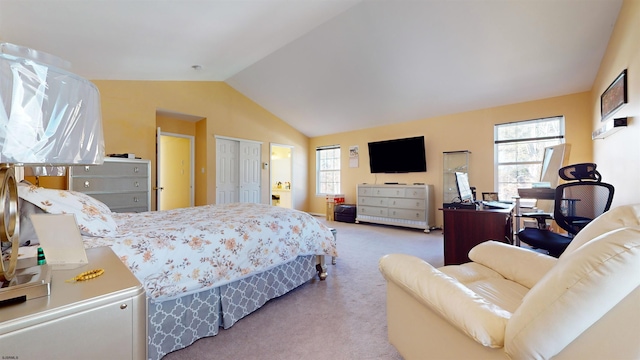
[[250, 160], [238, 170], [227, 180]]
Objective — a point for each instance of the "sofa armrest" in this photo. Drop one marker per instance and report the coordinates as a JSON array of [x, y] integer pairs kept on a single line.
[[479, 319], [523, 266]]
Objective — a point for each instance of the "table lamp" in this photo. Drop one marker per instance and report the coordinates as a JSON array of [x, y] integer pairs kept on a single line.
[[49, 117]]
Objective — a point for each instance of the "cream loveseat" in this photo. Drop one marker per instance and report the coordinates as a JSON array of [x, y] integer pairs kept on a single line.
[[514, 303]]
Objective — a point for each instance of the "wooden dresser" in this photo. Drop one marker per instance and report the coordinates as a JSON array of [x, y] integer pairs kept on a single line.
[[400, 205], [124, 185]]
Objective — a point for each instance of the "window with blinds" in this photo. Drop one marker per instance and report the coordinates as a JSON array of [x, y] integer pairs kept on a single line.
[[519, 150], [328, 170]]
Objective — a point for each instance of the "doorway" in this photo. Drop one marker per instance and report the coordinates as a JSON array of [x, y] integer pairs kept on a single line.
[[281, 175], [175, 174]]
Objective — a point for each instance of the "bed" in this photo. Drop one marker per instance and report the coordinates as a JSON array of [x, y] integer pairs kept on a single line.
[[203, 268]]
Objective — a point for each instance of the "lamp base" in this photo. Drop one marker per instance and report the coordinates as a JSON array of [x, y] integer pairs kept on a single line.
[[28, 283]]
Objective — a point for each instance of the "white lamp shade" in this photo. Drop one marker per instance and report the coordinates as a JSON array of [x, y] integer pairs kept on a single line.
[[47, 115]]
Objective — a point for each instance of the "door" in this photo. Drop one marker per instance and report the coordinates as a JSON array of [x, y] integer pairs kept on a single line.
[[227, 181], [238, 174], [174, 171], [250, 159]]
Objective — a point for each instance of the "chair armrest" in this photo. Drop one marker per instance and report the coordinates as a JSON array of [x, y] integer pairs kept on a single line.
[[541, 218], [479, 319], [523, 266]]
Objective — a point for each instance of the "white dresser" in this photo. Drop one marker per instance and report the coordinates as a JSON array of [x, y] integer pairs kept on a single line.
[[401, 205], [102, 318], [124, 185]]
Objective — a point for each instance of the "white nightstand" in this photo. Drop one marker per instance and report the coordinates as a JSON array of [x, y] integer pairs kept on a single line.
[[103, 318]]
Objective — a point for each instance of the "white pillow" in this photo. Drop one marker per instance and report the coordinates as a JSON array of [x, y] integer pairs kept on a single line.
[[93, 217]]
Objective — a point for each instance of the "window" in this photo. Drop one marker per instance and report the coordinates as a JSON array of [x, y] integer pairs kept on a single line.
[[328, 170], [519, 150]]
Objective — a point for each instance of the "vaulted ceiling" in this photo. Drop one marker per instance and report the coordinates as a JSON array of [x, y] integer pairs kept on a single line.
[[327, 66]]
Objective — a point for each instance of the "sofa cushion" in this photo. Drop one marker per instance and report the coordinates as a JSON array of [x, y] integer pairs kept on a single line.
[[480, 319], [579, 290], [502, 292], [469, 272], [616, 218], [523, 266]]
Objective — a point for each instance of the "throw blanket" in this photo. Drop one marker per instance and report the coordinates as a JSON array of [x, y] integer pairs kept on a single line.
[[183, 251]]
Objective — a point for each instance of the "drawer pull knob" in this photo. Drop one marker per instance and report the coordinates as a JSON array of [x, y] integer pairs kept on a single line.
[[136, 184], [135, 199], [123, 306], [86, 184], [136, 169], [86, 168]]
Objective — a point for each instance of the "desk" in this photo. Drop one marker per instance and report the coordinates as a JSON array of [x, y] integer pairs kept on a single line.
[[464, 229]]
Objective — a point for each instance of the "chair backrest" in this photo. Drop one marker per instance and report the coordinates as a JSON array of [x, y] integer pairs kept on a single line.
[[580, 201]]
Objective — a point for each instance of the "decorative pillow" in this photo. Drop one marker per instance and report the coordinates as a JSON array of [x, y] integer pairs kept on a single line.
[[93, 217]]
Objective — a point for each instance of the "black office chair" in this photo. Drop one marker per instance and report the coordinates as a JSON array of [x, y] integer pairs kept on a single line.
[[577, 202]]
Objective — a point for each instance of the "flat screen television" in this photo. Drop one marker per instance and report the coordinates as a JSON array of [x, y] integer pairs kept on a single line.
[[398, 155]]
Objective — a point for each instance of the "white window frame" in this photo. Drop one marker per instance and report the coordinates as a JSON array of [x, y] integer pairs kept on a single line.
[[329, 166], [529, 154]]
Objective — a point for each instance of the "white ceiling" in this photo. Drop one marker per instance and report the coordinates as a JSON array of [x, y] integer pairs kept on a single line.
[[327, 66]]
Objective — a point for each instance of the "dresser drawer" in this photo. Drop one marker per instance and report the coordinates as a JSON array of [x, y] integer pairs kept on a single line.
[[112, 168], [367, 191], [416, 193], [103, 184], [373, 201], [372, 211], [418, 215], [407, 203], [119, 202]]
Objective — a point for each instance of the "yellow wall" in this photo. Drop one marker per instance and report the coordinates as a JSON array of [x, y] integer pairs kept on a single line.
[[471, 131], [50, 182], [618, 156], [176, 126], [129, 117]]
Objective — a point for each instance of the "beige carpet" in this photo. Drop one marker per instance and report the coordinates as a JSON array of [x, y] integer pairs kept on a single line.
[[343, 317]]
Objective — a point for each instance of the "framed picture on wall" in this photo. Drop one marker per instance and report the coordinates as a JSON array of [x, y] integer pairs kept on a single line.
[[614, 97]]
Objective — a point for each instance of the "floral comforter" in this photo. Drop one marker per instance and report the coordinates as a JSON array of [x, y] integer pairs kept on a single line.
[[182, 251]]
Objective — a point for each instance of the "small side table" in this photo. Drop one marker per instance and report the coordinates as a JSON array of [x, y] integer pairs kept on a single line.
[[102, 318]]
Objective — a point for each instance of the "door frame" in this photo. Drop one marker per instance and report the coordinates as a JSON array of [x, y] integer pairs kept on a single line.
[[291, 147], [159, 186]]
